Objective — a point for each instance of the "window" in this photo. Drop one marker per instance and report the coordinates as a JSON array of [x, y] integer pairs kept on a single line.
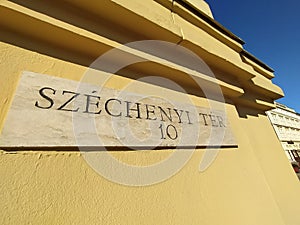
[[297, 123], [281, 119], [287, 121], [274, 117]]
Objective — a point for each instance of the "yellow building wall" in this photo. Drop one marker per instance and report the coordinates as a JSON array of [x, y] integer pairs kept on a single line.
[[250, 184]]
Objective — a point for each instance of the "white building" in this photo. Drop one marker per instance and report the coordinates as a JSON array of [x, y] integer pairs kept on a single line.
[[286, 123]]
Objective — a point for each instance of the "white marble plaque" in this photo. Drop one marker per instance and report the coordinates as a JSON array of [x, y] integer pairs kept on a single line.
[[49, 111]]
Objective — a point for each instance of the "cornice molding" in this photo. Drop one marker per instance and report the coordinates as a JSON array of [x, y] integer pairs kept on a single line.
[[177, 25]]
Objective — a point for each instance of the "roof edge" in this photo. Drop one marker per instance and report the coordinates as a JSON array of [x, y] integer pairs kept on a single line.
[[211, 21]]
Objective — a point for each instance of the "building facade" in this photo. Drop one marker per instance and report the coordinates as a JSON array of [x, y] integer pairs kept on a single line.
[[153, 171], [286, 123]]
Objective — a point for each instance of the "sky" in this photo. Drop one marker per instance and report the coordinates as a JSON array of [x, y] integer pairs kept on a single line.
[[271, 30]]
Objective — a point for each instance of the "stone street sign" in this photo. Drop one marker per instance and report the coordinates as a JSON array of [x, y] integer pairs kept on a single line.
[[49, 111]]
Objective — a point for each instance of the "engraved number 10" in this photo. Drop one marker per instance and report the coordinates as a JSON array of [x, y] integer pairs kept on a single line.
[[170, 130]]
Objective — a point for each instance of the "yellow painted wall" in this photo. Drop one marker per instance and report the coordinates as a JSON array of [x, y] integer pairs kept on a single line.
[[251, 184]]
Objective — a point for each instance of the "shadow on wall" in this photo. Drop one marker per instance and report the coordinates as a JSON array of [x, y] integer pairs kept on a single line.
[[86, 54]]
